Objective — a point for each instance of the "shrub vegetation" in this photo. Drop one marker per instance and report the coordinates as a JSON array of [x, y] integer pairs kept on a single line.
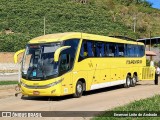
[[21, 20]]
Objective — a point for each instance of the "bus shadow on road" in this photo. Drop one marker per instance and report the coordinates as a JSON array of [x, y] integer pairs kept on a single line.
[[47, 98], [87, 93]]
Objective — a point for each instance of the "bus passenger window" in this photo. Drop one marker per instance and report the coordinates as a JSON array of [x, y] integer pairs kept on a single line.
[[89, 49], [111, 54], [134, 50], [83, 52], [130, 50], [100, 49], [107, 49], [86, 50], [120, 50], [141, 51], [111, 50], [81, 55]]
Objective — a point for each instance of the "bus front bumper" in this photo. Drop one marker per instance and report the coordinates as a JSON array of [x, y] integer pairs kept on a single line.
[[51, 91]]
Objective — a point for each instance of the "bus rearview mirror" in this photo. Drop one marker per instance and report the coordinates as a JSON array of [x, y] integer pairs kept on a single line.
[[58, 51], [16, 55]]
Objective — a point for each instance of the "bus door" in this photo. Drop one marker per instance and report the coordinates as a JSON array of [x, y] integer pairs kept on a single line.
[[64, 69]]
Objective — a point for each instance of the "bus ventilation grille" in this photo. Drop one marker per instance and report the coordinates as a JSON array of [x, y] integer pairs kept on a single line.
[[148, 73]]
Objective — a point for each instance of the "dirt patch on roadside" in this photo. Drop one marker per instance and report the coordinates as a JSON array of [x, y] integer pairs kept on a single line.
[[8, 57], [7, 91]]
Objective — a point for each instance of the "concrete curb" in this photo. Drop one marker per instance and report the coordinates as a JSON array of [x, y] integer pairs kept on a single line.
[[9, 73], [8, 86]]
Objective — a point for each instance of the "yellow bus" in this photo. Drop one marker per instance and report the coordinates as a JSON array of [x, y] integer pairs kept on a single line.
[[73, 62]]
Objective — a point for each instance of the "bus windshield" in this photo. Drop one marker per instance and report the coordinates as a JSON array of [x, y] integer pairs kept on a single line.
[[38, 62]]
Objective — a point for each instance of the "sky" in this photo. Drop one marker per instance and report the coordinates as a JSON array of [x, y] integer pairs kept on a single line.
[[156, 3]]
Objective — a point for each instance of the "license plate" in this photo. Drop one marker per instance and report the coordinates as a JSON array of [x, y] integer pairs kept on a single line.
[[36, 92]]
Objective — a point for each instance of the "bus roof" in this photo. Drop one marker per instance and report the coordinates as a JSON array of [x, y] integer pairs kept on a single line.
[[73, 35]]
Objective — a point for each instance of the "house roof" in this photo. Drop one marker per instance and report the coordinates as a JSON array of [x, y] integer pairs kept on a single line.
[[150, 41], [150, 53]]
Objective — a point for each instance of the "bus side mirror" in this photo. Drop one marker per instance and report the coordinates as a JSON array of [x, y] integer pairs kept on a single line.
[[58, 51], [16, 55]]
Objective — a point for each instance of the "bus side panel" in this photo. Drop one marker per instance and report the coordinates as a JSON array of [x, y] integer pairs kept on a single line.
[[66, 87], [105, 73]]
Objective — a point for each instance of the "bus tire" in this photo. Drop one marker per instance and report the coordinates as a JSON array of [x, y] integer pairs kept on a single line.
[[128, 82], [133, 81], [79, 90]]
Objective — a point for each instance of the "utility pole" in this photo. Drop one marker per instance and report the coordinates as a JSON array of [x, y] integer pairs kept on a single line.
[[134, 18], [151, 57], [44, 25], [150, 41]]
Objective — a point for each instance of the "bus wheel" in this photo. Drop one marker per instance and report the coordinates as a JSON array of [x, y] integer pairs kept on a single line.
[[133, 81], [128, 82], [79, 89]]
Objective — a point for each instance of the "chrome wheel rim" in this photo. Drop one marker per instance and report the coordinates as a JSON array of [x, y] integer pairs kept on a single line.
[[134, 80], [79, 88], [128, 81]]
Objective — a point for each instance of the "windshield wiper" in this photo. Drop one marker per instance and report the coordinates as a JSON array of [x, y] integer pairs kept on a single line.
[[43, 71]]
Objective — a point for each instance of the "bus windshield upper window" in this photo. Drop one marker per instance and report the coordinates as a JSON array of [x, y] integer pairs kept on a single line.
[[38, 62]]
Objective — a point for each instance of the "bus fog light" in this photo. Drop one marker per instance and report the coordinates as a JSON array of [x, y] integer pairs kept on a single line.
[[53, 91]]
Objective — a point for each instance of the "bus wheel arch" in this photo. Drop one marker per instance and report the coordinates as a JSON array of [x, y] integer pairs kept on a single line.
[[79, 87]]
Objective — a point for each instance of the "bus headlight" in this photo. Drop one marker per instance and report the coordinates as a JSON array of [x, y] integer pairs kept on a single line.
[[41, 86], [54, 83]]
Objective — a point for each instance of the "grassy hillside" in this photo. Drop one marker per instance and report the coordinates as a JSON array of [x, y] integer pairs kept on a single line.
[[21, 20]]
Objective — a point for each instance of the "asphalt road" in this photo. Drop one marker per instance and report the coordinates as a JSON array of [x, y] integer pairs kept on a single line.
[[97, 100]]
